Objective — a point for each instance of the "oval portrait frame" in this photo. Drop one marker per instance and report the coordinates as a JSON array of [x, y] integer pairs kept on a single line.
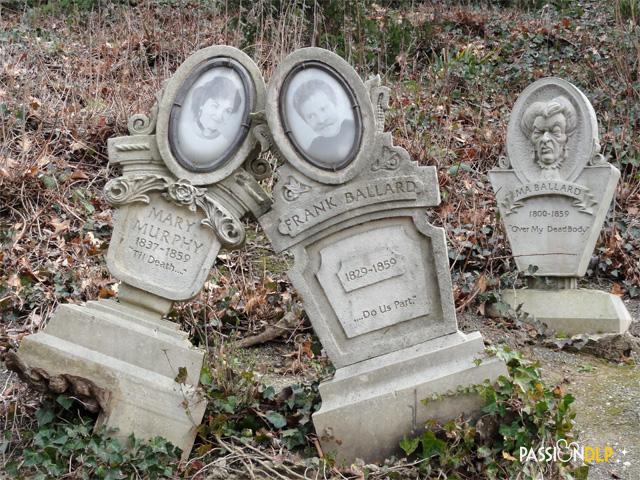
[[345, 77], [200, 64], [581, 144]]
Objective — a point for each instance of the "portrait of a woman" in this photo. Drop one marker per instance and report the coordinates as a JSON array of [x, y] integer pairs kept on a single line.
[[210, 119]]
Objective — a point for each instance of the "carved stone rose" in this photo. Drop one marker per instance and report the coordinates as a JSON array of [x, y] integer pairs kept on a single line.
[[182, 193]]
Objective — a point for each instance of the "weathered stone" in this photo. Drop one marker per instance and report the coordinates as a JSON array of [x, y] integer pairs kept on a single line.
[[368, 407], [180, 198], [546, 224], [573, 311], [162, 248], [553, 191], [372, 272], [614, 347]]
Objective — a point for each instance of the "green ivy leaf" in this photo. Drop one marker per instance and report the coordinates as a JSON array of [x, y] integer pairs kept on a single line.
[[431, 445], [581, 473], [11, 468], [65, 401], [206, 378], [487, 393], [510, 431], [182, 375], [484, 451], [409, 445], [293, 437], [45, 415], [276, 419], [541, 407], [31, 457], [269, 393]]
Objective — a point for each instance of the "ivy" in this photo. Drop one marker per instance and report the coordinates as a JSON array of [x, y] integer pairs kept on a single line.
[[73, 449], [526, 412]]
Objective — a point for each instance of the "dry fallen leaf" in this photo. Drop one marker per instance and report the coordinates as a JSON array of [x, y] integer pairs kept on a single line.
[[25, 144], [78, 146], [59, 225], [254, 302], [79, 175], [14, 281], [507, 456], [617, 289]]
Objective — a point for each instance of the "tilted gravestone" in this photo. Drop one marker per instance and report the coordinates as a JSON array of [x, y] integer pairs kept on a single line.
[[182, 192], [373, 274], [553, 190]]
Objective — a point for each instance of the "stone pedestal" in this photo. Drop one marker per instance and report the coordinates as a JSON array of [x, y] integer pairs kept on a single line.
[[571, 312], [134, 357], [368, 407]]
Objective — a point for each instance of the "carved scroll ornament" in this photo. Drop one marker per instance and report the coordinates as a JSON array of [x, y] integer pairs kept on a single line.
[[124, 190]]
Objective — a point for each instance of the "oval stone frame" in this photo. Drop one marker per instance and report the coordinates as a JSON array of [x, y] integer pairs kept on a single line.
[[174, 95], [334, 77], [364, 120], [581, 146]]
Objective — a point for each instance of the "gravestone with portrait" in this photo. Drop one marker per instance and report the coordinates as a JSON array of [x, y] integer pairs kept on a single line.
[[554, 189], [188, 176], [372, 273]]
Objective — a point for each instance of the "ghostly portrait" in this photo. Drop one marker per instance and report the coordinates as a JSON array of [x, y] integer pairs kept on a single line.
[[548, 125], [321, 118], [210, 119]]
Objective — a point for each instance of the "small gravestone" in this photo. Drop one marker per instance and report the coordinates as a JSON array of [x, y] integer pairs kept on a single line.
[[553, 190], [372, 272], [182, 192]]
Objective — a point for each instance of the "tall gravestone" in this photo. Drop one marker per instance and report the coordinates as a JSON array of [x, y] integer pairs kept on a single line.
[[553, 190], [188, 176], [373, 274]]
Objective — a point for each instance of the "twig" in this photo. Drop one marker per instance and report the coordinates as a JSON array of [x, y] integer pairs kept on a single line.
[[271, 332], [264, 464], [260, 452], [318, 447]]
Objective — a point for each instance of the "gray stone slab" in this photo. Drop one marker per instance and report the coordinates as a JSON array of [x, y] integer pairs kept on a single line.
[[113, 334], [573, 312], [551, 224], [136, 367], [554, 188], [367, 408], [554, 191], [162, 248], [383, 316]]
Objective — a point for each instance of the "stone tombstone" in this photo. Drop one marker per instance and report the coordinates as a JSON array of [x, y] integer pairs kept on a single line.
[[188, 175], [373, 274], [553, 190]]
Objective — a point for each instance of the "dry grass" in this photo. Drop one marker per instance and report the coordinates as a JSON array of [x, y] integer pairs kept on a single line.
[[69, 80]]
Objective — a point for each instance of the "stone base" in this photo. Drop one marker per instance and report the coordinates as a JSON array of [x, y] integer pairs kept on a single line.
[[369, 406], [573, 312], [133, 355]]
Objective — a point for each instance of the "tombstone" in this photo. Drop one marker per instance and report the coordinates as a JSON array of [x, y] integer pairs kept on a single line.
[[372, 273], [188, 176], [553, 190]]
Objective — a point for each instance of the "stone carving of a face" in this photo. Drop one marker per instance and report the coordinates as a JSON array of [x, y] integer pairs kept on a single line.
[[548, 126], [212, 105]]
